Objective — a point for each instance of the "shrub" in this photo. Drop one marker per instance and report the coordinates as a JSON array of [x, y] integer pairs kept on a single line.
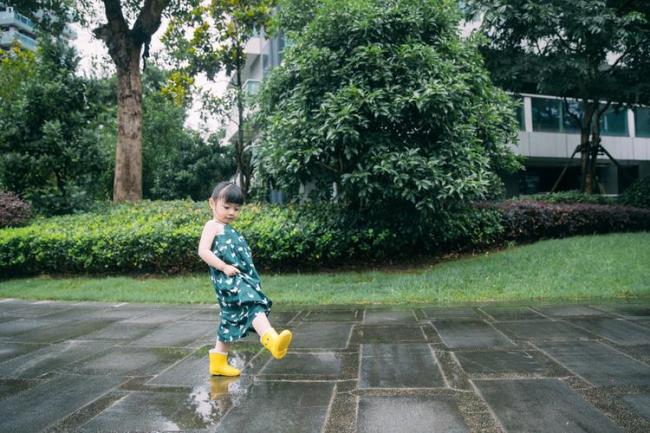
[[162, 237], [14, 212], [526, 221], [638, 194], [573, 196]]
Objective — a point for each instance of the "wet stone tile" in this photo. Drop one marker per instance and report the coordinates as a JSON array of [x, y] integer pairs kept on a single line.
[[285, 407], [619, 331], [9, 387], [178, 334], [399, 366], [158, 411], [542, 405], [32, 310], [331, 316], [389, 334], [631, 311], [457, 334], [129, 361], [50, 358], [39, 406], [490, 362], [450, 313], [569, 311], [282, 317], [599, 364], [121, 331], [194, 369], [160, 316], [321, 336], [388, 317], [542, 330], [410, 414], [640, 403], [64, 331], [10, 330], [322, 365], [12, 350], [501, 314], [206, 314]]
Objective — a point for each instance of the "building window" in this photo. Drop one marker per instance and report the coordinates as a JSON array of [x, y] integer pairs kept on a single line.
[[614, 122], [519, 112], [570, 111], [547, 115], [642, 121]]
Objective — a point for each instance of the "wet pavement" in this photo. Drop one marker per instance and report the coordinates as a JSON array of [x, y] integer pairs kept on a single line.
[[99, 367]]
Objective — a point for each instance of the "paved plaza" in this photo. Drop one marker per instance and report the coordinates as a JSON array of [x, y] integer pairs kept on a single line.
[[98, 367]]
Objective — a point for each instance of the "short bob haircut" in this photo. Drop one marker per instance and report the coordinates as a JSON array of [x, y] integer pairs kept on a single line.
[[228, 192]]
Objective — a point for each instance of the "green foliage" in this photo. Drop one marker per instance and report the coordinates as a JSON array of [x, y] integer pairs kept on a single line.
[[384, 99], [638, 194], [569, 197], [49, 155], [163, 237]]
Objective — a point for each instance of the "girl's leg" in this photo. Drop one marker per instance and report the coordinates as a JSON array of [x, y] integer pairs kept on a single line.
[[261, 324], [221, 347], [276, 343]]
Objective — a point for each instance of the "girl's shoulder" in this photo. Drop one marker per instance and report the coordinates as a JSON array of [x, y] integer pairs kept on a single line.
[[215, 227]]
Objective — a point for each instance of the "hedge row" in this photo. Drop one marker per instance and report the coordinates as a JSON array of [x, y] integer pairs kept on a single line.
[[162, 237]]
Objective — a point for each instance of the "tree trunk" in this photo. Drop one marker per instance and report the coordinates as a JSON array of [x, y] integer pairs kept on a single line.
[[127, 185], [243, 162], [593, 154]]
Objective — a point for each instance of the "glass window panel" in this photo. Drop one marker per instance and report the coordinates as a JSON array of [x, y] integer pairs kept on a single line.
[[614, 122], [570, 124], [642, 122], [546, 114], [520, 113]]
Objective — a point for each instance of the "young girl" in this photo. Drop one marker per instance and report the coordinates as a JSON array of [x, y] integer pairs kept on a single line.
[[243, 305]]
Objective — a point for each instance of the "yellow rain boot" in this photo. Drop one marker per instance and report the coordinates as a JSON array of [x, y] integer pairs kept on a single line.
[[219, 365], [276, 344]]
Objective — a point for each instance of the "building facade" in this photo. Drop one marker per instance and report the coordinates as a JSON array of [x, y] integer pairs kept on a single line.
[[16, 28]]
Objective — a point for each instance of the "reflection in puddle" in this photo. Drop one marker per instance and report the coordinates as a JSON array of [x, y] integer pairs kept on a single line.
[[211, 401]]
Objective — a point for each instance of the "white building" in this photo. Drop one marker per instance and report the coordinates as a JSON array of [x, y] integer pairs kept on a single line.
[[16, 28]]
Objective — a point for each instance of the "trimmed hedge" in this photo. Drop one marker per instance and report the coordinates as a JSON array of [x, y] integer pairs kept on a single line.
[[162, 237], [526, 221], [569, 197]]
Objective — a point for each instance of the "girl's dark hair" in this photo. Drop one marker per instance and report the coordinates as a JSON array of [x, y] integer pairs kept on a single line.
[[228, 192]]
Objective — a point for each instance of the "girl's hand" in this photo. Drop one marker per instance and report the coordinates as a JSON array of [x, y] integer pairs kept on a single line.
[[230, 270]]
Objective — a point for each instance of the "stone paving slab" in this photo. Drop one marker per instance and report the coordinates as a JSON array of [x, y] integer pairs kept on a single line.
[[457, 334], [50, 358], [410, 414], [599, 364], [34, 409], [544, 405], [399, 366], [104, 367]]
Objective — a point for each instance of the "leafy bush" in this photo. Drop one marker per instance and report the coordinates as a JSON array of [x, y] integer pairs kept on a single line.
[[14, 212], [162, 237], [638, 194], [526, 221], [573, 196]]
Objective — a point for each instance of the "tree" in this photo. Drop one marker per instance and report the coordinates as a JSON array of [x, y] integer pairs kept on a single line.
[[125, 45], [49, 155], [385, 101], [212, 37], [592, 50]]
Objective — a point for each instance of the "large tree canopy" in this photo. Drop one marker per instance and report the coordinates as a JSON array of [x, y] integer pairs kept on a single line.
[[593, 50], [383, 99]]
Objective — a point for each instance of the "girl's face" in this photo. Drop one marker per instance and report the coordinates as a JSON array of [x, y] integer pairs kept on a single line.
[[225, 213]]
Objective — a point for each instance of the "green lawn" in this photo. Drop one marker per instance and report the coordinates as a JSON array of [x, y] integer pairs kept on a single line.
[[589, 267]]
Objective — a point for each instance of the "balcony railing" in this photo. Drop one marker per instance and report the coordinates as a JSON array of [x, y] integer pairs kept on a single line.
[[8, 38], [13, 18]]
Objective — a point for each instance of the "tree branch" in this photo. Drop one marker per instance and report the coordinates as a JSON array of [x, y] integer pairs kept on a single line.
[[148, 21]]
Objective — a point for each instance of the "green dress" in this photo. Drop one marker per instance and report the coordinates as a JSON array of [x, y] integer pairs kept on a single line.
[[240, 296]]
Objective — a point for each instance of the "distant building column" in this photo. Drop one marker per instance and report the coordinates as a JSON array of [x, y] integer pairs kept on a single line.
[[528, 114]]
